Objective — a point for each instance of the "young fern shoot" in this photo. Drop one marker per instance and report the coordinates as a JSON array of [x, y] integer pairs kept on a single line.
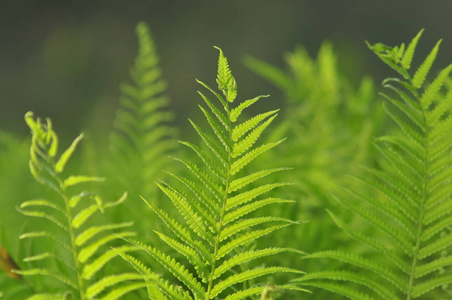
[[80, 245], [412, 208], [216, 201]]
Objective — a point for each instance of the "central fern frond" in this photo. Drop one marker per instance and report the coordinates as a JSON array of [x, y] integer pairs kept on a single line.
[[412, 208], [216, 203]]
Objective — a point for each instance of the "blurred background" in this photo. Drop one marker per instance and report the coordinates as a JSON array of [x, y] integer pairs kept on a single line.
[[66, 59]]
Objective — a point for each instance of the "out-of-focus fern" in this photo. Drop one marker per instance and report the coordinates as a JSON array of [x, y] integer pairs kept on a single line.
[[143, 137], [412, 209], [328, 121], [78, 255], [216, 203]]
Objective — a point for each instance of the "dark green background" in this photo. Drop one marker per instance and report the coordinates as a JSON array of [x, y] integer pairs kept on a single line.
[[65, 59]]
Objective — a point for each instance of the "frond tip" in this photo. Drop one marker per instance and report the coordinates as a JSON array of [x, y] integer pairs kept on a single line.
[[225, 80]]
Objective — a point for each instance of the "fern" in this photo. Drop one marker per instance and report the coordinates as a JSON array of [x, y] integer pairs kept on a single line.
[[412, 208], [143, 137], [326, 118], [79, 252], [215, 203]]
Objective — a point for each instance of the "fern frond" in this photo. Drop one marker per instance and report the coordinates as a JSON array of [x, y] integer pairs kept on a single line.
[[215, 203], [69, 215], [411, 209], [143, 136]]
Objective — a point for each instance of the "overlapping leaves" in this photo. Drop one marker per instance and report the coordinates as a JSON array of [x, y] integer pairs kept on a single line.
[[411, 208]]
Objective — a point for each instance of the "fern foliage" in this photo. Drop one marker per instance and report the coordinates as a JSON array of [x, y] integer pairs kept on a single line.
[[216, 202], [326, 118], [143, 137], [411, 209], [80, 250]]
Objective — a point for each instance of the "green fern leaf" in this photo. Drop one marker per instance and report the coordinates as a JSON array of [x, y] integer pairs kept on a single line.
[[247, 256], [246, 238], [220, 116], [247, 223], [61, 163], [246, 126], [215, 204], [246, 180], [427, 286], [243, 294], [91, 232], [409, 53], [249, 208], [87, 252], [92, 268], [248, 275], [242, 146], [47, 297], [46, 272], [422, 71], [75, 180], [433, 89], [111, 280], [250, 156], [236, 112], [118, 293]]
